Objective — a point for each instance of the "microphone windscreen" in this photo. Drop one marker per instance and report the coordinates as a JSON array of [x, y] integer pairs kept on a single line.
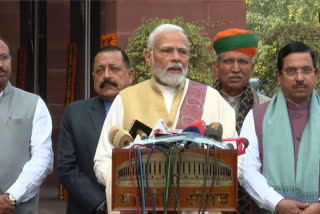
[[142, 135], [192, 129], [119, 137], [214, 130], [197, 127], [246, 142]]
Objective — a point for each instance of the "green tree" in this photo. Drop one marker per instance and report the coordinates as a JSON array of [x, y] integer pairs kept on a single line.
[[263, 15], [276, 22], [201, 57], [279, 36]]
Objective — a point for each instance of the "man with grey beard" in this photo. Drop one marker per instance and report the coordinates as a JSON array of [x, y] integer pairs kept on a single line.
[[168, 95]]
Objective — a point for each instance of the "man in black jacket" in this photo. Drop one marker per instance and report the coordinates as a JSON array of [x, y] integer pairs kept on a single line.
[[80, 131]]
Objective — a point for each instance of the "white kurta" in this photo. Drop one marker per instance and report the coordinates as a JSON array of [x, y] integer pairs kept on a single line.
[[40, 164], [251, 178], [103, 157]]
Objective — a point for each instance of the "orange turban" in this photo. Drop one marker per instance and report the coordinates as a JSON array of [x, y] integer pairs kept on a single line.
[[234, 39]]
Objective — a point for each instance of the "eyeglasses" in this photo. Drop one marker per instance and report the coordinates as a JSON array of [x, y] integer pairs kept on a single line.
[[100, 71], [241, 62], [166, 51], [4, 58], [293, 71]]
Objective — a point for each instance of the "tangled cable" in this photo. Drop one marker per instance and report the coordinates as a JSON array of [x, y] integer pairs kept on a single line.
[[173, 171]]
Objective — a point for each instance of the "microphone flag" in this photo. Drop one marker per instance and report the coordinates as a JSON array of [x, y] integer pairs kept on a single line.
[[139, 128], [239, 143]]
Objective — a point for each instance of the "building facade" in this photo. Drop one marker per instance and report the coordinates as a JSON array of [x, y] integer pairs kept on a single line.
[[39, 33]]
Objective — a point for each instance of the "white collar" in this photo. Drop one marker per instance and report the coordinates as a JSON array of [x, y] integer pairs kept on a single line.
[[168, 94], [166, 89]]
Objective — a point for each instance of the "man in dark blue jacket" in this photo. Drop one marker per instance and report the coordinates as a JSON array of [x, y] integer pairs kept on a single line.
[[80, 131]]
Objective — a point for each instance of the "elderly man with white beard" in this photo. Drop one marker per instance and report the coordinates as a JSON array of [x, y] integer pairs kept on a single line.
[[168, 95]]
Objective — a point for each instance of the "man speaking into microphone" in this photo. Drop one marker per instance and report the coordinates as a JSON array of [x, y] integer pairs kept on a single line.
[[168, 95]]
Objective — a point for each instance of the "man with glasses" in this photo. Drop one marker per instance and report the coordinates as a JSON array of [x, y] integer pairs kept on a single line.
[[168, 95], [281, 166], [235, 49], [81, 128], [26, 156]]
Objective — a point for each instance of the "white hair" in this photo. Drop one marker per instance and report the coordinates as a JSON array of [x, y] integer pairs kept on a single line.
[[161, 29]]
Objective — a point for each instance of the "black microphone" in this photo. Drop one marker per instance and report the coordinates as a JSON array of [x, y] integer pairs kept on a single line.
[[214, 130], [139, 128]]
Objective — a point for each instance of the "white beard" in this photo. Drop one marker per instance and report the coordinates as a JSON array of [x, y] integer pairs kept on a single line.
[[166, 77]]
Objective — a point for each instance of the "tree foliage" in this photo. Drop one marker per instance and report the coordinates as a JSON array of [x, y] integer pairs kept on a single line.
[[277, 22], [263, 15], [278, 37], [201, 57]]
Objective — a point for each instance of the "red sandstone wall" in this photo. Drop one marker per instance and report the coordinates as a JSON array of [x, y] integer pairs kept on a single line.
[[124, 16], [10, 30], [58, 34], [120, 16]]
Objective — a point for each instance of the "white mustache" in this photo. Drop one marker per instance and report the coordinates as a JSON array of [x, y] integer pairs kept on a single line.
[[238, 75], [174, 66]]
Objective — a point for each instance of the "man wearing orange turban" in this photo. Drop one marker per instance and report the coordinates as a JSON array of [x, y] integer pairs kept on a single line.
[[235, 49]]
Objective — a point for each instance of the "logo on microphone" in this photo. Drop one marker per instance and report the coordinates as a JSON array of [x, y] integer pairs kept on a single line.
[[215, 126], [241, 146], [113, 134]]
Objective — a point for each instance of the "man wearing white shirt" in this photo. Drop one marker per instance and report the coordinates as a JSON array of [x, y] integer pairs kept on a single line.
[[281, 164], [168, 95], [235, 49], [26, 156]]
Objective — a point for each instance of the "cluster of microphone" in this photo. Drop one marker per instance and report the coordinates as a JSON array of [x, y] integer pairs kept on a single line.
[[196, 135]]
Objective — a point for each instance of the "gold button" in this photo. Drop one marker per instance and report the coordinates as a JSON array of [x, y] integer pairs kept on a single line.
[[169, 124]]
